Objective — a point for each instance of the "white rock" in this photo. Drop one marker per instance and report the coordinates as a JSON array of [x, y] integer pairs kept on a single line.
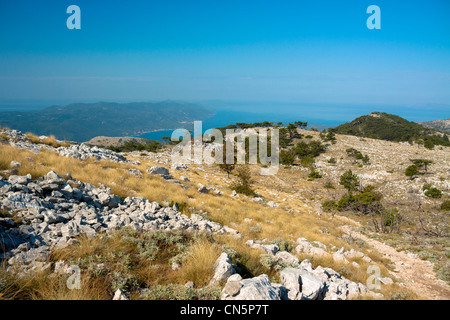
[[257, 288], [119, 295], [222, 269]]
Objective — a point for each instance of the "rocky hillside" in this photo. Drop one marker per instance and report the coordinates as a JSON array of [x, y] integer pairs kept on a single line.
[[440, 125], [138, 226], [117, 141]]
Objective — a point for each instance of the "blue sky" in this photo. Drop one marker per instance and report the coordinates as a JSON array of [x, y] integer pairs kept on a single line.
[[295, 52]]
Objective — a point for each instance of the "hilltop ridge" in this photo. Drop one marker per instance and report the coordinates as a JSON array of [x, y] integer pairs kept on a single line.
[[384, 126]]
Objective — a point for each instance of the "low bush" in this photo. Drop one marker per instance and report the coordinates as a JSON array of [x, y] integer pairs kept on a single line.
[[445, 205], [243, 183], [329, 205], [314, 175], [434, 193]]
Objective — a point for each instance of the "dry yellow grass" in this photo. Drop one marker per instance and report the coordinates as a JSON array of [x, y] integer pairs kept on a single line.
[[198, 266], [267, 223], [45, 286], [50, 140]]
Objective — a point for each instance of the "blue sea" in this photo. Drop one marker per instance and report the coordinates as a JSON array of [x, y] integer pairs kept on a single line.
[[317, 115]]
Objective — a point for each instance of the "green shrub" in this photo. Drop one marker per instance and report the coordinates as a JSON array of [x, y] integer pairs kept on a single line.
[[329, 205], [268, 261], [428, 144], [133, 145], [282, 244], [434, 193], [287, 157], [390, 217], [364, 203], [123, 281], [412, 170], [349, 180], [422, 163], [307, 161], [366, 159], [180, 292], [311, 149], [332, 160], [352, 152], [445, 205], [243, 185], [314, 175], [328, 185]]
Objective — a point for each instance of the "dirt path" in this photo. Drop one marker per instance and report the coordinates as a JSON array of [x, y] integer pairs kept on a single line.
[[417, 275]]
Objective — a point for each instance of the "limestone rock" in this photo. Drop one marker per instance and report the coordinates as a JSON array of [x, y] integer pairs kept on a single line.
[[222, 269], [257, 288]]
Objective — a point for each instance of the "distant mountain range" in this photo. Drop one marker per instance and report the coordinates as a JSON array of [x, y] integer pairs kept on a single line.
[[83, 121], [380, 125], [440, 125]]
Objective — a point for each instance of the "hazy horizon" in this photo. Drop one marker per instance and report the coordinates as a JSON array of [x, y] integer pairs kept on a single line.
[[294, 58], [325, 114]]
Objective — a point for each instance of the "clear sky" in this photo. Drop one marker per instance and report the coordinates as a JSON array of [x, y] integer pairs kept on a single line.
[[317, 52]]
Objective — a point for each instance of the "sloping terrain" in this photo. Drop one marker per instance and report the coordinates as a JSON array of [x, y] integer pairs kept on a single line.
[[116, 141], [440, 125], [132, 231]]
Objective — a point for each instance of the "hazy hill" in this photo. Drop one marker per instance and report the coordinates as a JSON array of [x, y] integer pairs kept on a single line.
[[380, 125], [118, 141], [440, 125], [83, 121]]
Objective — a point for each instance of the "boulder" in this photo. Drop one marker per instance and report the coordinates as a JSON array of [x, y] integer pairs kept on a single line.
[[339, 256], [304, 246], [257, 288], [287, 258], [158, 170], [233, 286], [40, 254], [269, 248], [222, 269], [302, 284], [119, 295], [202, 188], [53, 178], [23, 180], [15, 164]]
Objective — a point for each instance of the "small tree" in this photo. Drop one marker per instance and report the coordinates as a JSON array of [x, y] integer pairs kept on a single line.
[[292, 129], [287, 157], [224, 166], [389, 221], [421, 163], [349, 180], [411, 171], [445, 206], [366, 159], [428, 144], [166, 139], [434, 193], [314, 174], [301, 124], [243, 185]]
